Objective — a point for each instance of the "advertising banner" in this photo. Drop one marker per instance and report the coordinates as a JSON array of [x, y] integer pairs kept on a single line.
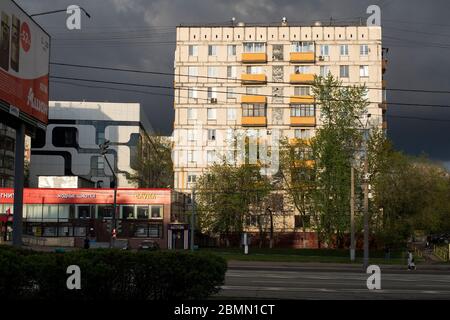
[[24, 63]]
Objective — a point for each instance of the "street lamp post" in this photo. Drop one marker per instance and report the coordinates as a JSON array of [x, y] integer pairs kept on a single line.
[[104, 150]]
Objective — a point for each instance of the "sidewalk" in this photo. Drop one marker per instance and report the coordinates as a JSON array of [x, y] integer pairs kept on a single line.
[[324, 266]]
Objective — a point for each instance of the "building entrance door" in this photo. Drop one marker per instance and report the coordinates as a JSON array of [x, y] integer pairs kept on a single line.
[[178, 239]]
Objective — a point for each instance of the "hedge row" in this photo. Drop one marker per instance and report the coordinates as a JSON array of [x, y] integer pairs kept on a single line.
[[110, 274]]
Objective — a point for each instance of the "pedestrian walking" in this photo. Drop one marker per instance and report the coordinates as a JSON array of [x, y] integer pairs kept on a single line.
[[411, 264]]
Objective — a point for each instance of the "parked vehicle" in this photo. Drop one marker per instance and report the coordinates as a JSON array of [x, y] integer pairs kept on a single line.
[[149, 245]]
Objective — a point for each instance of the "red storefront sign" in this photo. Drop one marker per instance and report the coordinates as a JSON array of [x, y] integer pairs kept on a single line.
[[89, 196]]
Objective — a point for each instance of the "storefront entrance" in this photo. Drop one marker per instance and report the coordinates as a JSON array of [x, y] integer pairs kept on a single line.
[[178, 236]]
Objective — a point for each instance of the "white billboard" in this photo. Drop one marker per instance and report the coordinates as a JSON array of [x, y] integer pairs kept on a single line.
[[24, 62]]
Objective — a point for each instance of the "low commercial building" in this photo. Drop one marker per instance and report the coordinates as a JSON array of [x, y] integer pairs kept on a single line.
[[66, 217]]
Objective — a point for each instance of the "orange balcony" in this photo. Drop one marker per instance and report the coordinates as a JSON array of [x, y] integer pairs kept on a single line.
[[303, 121], [248, 78], [295, 141], [304, 163], [253, 99], [254, 121], [302, 78], [256, 57], [301, 99], [303, 57]]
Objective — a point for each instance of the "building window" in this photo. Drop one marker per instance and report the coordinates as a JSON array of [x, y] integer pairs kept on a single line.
[[191, 135], [191, 156], [65, 137], [211, 134], [324, 71], [303, 46], [213, 72], [302, 91], [191, 178], [344, 71], [212, 93], [192, 114], [254, 69], [253, 90], [211, 114], [231, 49], [232, 72], [142, 212], [97, 166], [254, 47], [302, 221], [363, 71], [344, 49], [302, 110], [231, 114], [127, 212], [302, 69], [324, 50], [193, 93], [211, 156], [212, 50], [303, 133], [193, 51], [253, 110], [193, 71], [157, 211], [104, 211], [230, 93], [364, 50]]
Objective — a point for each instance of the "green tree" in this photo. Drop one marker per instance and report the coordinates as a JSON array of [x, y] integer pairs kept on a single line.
[[333, 149], [227, 196], [153, 163]]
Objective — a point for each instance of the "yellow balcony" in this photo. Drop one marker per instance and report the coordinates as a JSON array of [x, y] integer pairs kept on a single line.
[[296, 141], [302, 99], [302, 78], [303, 121], [254, 121], [256, 57], [303, 57], [304, 163], [253, 99], [259, 78]]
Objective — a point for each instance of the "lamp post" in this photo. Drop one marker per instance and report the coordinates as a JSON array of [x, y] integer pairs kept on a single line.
[[57, 11], [366, 193], [104, 150]]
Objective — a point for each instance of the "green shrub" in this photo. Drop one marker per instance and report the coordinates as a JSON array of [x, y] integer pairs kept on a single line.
[[110, 274]]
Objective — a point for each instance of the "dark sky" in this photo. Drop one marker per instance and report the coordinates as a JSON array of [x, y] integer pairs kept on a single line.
[[140, 34]]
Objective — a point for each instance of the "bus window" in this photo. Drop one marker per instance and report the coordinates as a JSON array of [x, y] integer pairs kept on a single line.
[[142, 212], [127, 212]]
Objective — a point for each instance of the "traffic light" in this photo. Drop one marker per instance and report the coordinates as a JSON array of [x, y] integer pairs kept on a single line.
[[104, 147]]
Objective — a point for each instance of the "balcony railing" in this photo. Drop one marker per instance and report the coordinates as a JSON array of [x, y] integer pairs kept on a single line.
[[303, 121], [303, 57], [302, 78], [258, 78], [254, 121], [254, 57], [301, 100], [253, 99]]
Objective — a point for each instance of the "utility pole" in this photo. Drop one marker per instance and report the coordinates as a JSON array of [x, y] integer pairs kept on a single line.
[[352, 215], [104, 150], [366, 208], [18, 185], [193, 220]]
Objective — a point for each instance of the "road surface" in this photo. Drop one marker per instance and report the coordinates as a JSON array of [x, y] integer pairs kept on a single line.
[[261, 280]]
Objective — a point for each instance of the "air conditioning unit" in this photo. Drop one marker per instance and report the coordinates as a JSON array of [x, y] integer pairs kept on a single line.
[[213, 100]]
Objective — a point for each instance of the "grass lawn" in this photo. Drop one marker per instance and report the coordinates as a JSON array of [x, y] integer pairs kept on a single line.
[[308, 255]]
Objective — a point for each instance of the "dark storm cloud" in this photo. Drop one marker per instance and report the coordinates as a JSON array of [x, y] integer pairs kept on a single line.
[[418, 56]]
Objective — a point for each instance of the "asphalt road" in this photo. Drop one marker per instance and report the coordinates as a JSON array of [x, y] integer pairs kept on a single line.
[[315, 281]]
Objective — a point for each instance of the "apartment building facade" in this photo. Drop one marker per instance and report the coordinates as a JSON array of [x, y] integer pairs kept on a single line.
[[257, 80]]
